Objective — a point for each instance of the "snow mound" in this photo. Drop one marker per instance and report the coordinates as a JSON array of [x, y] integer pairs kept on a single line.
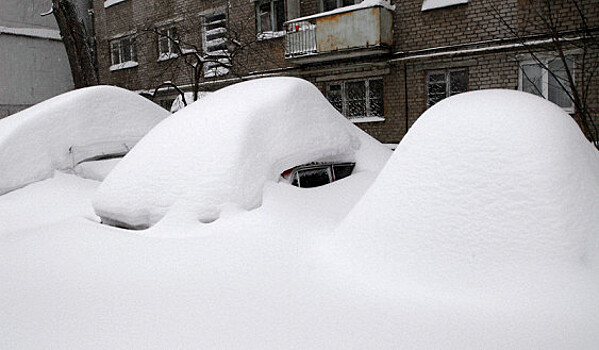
[[69, 128], [223, 148], [488, 210], [486, 181]]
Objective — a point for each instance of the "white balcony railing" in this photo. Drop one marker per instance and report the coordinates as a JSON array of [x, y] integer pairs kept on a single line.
[[300, 39]]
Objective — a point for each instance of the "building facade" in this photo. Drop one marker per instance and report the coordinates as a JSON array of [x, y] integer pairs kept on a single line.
[[380, 63], [33, 60]]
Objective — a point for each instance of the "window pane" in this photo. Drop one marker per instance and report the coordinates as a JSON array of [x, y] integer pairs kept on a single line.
[[280, 14], [314, 177], [125, 50], [356, 98], [532, 79], [328, 5], [115, 53], [376, 98], [264, 13], [436, 88], [133, 50], [163, 42], [457, 82], [335, 97], [348, 2], [341, 171], [557, 93]]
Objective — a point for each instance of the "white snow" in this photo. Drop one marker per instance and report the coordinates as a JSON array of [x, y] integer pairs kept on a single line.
[[490, 202], [480, 233], [42, 33], [165, 56], [178, 102], [61, 132], [108, 3], [124, 65], [223, 148], [435, 4], [362, 5]]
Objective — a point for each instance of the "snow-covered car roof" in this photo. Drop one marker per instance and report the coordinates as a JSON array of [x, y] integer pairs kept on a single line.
[[224, 147], [63, 131]]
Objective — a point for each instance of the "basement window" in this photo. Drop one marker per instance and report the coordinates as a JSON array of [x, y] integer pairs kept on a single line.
[[358, 100], [548, 78], [436, 4], [442, 84]]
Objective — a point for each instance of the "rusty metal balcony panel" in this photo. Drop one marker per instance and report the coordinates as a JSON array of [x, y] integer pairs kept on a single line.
[[361, 32]]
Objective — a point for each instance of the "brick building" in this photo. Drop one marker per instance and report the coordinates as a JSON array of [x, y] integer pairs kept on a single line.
[[382, 66]]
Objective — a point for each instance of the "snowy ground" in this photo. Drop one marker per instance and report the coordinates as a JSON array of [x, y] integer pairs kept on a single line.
[[413, 258]]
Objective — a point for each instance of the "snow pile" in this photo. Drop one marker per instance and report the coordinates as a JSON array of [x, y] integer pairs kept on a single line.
[[223, 148], [362, 5], [67, 129], [436, 4], [178, 104], [490, 203]]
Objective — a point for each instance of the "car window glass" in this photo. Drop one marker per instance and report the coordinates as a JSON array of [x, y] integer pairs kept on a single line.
[[314, 177], [341, 171]]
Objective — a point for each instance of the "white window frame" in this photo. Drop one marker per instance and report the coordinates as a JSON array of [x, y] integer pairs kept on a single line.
[[448, 92], [118, 43], [368, 117], [544, 65], [166, 34]]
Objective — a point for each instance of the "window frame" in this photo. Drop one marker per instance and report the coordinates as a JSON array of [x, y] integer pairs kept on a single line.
[[171, 39], [447, 77], [369, 117], [119, 45], [273, 17], [213, 69], [544, 66]]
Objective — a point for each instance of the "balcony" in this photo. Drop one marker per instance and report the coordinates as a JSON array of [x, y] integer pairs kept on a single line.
[[347, 32]]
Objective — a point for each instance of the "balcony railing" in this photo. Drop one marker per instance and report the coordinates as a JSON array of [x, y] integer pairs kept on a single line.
[[346, 32], [301, 40]]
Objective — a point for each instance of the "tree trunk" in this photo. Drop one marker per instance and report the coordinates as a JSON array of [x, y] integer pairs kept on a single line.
[[79, 51]]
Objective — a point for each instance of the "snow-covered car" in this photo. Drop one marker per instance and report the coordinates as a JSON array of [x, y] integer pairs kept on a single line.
[[226, 147], [78, 126]]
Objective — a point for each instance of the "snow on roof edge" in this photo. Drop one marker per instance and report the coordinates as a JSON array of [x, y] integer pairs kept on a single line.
[[42, 33]]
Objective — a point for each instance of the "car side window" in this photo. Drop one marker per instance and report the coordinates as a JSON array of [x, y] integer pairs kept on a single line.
[[314, 177]]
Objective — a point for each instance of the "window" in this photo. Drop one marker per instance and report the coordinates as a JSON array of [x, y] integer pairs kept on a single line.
[[123, 53], [328, 5], [317, 174], [442, 84], [270, 16], [548, 79], [436, 4], [167, 45], [214, 40], [358, 99]]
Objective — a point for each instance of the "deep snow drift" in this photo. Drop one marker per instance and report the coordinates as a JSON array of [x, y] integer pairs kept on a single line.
[[224, 147], [77, 125], [492, 197]]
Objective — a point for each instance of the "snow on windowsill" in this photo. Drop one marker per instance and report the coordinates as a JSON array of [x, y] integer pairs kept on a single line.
[[270, 35], [109, 3], [167, 56], [124, 65], [436, 4], [366, 119]]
